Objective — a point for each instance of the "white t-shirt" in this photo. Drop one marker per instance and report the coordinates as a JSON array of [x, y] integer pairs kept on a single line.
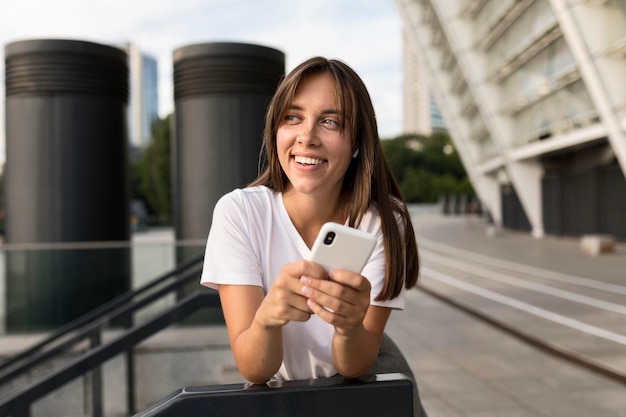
[[251, 239]]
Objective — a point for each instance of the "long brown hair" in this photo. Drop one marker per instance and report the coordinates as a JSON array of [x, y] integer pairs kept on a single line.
[[368, 180]]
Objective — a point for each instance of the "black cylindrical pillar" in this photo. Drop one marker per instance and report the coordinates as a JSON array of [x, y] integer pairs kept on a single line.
[[66, 178], [221, 93]]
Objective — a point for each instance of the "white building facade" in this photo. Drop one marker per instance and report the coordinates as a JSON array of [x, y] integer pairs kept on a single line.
[[416, 94], [421, 113], [533, 93]]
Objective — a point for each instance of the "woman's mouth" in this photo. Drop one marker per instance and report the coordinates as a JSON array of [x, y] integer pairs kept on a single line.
[[303, 160]]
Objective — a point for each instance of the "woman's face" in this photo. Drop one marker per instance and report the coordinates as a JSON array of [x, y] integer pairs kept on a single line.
[[313, 144]]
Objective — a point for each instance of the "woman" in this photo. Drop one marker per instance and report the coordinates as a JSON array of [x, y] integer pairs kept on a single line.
[[287, 317]]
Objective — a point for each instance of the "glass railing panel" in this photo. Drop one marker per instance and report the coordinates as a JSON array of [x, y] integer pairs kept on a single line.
[[43, 287]]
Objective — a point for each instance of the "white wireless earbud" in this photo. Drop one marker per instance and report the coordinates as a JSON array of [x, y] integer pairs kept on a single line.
[[356, 153]]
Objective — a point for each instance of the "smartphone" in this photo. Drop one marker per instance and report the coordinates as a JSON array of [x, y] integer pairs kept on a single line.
[[342, 247]]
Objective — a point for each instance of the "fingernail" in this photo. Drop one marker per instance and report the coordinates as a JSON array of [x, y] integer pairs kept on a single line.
[[305, 280], [306, 291]]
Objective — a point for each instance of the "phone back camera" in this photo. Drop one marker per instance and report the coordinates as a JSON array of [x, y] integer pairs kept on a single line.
[[330, 237]]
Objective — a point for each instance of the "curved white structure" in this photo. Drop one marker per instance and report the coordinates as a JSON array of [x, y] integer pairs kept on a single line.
[[533, 93]]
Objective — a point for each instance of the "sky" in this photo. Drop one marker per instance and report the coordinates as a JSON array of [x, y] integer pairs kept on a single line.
[[366, 34]]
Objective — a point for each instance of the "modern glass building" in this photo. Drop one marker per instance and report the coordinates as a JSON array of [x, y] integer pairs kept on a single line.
[[143, 107], [533, 93]]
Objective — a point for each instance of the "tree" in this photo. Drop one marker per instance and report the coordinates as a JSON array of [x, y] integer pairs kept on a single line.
[[426, 167], [151, 174], [403, 152]]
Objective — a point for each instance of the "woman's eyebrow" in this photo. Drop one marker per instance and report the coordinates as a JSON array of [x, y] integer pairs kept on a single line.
[[325, 112], [332, 111]]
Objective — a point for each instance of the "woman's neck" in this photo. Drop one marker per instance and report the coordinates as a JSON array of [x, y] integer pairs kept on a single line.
[[309, 212]]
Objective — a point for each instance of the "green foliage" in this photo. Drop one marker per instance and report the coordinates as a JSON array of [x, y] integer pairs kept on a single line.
[[426, 167], [151, 174]]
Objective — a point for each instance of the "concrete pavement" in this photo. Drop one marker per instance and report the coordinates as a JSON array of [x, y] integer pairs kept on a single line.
[[467, 368]]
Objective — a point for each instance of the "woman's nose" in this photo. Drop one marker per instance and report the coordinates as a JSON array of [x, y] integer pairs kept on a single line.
[[307, 134]]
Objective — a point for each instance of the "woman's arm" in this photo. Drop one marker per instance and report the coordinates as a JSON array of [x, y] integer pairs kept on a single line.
[[257, 349], [355, 354], [254, 320]]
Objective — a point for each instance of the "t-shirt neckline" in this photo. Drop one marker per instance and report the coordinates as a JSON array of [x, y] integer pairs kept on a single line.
[[291, 228]]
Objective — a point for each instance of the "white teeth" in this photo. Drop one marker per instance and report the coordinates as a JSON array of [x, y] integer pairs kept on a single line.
[[308, 161]]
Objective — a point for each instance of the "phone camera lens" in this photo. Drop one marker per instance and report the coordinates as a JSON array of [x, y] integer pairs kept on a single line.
[[330, 236]]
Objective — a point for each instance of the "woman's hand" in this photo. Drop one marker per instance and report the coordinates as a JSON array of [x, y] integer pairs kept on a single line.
[[285, 300], [342, 300]]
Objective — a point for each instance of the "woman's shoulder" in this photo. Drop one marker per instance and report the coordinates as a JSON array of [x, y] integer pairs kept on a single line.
[[255, 194], [249, 198], [371, 220]]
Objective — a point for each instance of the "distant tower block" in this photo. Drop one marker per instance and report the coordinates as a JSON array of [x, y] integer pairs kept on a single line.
[[66, 178]]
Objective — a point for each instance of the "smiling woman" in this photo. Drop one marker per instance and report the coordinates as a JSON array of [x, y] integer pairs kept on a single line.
[[287, 317]]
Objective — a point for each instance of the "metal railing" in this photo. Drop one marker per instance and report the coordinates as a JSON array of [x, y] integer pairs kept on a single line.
[[90, 327], [370, 396]]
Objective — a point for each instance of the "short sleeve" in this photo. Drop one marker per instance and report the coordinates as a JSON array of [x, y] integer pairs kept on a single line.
[[230, 256]]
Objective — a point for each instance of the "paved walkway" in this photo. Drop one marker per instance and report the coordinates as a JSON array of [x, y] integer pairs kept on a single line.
[[467, 368]]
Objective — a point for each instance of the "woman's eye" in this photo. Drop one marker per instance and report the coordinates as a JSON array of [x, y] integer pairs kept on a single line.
[[291, 118], [330, 123]]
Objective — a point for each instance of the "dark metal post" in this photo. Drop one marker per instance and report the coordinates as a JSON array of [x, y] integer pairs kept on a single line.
[[221, 93], [130, 382], [67, 178], [96, 378]]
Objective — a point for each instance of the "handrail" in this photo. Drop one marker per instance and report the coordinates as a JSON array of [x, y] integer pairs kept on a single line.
[[97, 314], [18, 404], [370, 396], [96, 323]]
